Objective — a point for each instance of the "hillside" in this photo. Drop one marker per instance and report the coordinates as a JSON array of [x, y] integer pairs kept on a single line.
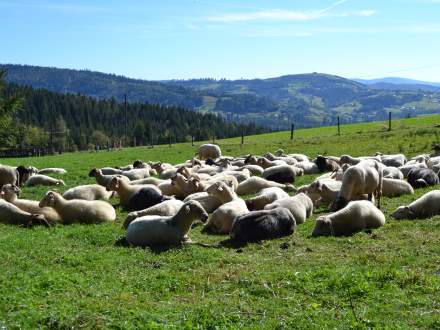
[[80, 276], [305, 99]]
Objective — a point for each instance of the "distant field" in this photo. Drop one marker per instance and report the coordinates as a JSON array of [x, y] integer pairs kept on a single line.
[[75, 276]]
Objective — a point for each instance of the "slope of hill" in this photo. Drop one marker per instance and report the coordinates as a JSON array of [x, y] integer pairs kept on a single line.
[[394, 83], [305, 99]]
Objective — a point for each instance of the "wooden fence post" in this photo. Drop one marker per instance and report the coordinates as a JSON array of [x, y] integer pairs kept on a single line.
[[292, 128], [389, 121], [192, 140], [242, 137], [339, 127]]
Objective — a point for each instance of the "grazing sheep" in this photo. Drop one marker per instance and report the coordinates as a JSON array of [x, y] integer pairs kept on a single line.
[[280, 174], [153, 230], [208, 150], [208, 202], [261, 225], [10, 194], [89, 192], [255, 184], [356, 216], [165, 208], [326, 164], [222, 218], [78, 210], [54, 170], [301, 206], [136, 197], [424, 207], [265, 196], [422, 177], [362, 178], [395, 187], [44, 180], [12, 215]]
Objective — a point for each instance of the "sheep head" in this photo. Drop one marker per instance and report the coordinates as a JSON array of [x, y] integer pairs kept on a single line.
[[10, 191], [403, 212], [94, 172], [114, 184], [48, 199], [323, 227], [38, 219]]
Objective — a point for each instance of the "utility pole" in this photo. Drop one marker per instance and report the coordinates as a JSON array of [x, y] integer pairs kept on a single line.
[[125, 108]]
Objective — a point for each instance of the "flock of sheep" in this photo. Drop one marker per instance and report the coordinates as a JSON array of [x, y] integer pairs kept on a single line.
[[164, 199]]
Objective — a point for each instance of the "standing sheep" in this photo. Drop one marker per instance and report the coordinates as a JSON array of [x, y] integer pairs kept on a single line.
[[356, 216], [153, 230], [208, 150]]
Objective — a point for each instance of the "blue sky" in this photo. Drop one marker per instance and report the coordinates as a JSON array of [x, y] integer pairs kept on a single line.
[[166, 39]]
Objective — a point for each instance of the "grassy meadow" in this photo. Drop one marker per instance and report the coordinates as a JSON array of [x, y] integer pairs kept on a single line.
[[77, 276]]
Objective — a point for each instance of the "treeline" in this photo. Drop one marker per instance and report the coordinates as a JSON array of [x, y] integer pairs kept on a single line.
[[71, 122]]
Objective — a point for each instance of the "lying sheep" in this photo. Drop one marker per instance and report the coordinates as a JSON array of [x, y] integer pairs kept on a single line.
[[153, 230], [208, 150], [408, 167], [10, 193], [280, 174], [261, 225], [14, 175], [394, 187], [255, 184], [424, 207], [150, 180], [208, 202], [254, 169], [356, 216], [52, 170], [422, 177], [44, 180], [392, 173], [308, 167], [103, 179], [264, 197], [362, 178], [301, 206], [323, 191], [89, 192], [396, 160], [136, 197], [165, 209], [136, 174], [222, 218], [78, 210], [12, 215]]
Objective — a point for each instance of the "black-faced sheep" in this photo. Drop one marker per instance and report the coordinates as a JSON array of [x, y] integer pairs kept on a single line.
[[424, 207], [78, 210], [262, 225], [326, 164], [356, 216], [153, 230]]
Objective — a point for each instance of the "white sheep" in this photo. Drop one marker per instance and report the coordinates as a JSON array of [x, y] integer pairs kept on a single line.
[[153, 230], [300, 205], [308, 167], [424, 207], [208, 202], [208, 150], [54, 170], [222, 218], [11, 214], [396, 187], [78, 210], [396, 160], [322, 191], [136, 174], [254, 169], [264, 197], [165, 208], [392, 173], [362, 178], [44, 180], [356, 216], [255, 184], [10, 194], [89, 192], [104, 179]]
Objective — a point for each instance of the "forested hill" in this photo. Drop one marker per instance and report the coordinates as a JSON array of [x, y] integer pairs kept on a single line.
[[76, 122], [304, 99]]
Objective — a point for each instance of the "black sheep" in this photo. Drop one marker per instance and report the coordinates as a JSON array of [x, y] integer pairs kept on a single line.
[[422, 177], [260, 225], [144, 198], [326, 165]]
